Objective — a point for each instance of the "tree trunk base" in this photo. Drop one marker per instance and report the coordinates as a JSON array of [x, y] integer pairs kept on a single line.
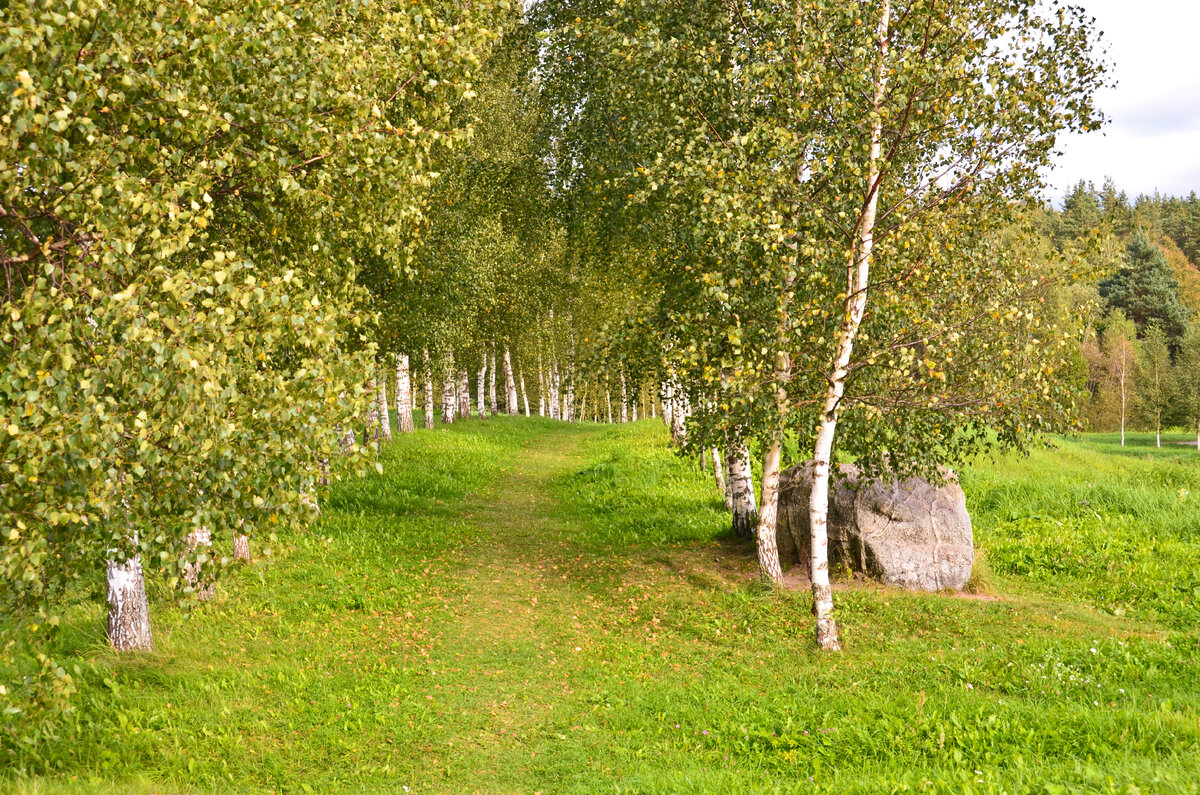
[[241, 548], [128, 609]]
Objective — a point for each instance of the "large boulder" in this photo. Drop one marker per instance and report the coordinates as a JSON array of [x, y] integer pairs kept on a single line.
[[908, 533]]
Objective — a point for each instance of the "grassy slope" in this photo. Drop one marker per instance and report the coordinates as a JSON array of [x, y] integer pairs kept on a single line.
[[524, 605]]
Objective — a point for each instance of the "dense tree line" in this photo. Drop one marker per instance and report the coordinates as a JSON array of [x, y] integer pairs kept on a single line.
[[1138, 303]]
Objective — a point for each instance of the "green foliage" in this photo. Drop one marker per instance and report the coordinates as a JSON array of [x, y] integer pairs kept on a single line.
[[1146, 290], [184, 191]]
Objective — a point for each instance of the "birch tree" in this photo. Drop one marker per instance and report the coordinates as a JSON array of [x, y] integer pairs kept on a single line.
[[829, 184], [1120, 349]]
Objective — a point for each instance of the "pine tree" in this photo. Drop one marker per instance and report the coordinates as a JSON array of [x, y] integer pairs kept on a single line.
[[1146, 290]]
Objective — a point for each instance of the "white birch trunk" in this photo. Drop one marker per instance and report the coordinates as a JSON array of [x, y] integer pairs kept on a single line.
[[449, 395], [481, 392], [128, 608], [373, 434], [569, 415], [241, 544], [555, 384], [634, 409], [199, 539], [541, 387], [404, 395], [385, 419], [241, 547], [510, 386], [858, 277], [624, 413], [427, 420], [524, 394], [741, 486], [767, 540], [492, 384], [608, 404], [464, 395], [719, 475]]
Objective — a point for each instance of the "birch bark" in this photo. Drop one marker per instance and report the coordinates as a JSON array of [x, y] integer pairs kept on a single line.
[[857, 279], [569, 403], [464, 395], [741, 486], [625, 400], [492, 384], [719, 476], [449, 395], [481, 402], [372, 434], [524, 394], [128, 608], [385, 419], [541, 387], [510, 386], [555, 384], [404, 396], [194, 569], [427, 420]]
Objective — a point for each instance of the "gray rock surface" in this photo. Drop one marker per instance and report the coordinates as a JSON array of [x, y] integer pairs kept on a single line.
[[909, 533]]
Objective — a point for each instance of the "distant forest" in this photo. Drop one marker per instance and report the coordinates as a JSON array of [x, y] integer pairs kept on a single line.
[[1137, 301]]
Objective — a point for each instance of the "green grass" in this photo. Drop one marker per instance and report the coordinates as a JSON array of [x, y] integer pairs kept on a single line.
[[522, 605]]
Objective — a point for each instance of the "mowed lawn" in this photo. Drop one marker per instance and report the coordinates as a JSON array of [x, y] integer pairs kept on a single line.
[[521, 605]]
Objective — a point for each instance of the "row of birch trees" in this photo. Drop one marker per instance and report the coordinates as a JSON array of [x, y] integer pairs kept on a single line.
[[241, 244], [826, 202]]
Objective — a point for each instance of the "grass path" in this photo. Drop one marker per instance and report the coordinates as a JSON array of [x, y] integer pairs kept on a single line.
[[528, 606]]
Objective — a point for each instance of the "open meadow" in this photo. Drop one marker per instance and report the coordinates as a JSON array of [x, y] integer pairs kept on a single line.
[[526, 605]]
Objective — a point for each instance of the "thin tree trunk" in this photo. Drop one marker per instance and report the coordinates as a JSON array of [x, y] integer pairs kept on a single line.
[[464, 395], [728, 481], [373, 434], [481, 390], [608, 404], [449, 395], [510, 385], [427, 420], [719, 474], [404, 396], [768, 543], [555, 385], [741, 485], [492, 384], [194, 569], [128, 608], [241, 545], [524, 394], [541, 386], [624, 414], [858, 275], [570, 413], [385, 419]]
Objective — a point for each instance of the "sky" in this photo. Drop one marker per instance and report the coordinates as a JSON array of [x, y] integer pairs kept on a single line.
[[1152, 139]]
